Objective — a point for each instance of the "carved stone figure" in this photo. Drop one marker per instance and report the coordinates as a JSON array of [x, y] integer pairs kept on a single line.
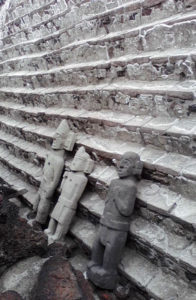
[[63, 140], [72, 187], [115, 223]]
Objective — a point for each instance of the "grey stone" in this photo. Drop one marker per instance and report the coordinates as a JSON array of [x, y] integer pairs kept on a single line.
[[114, 224], [22, 276]]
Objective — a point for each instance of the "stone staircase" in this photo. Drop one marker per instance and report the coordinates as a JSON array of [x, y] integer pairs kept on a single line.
[[122, 73]]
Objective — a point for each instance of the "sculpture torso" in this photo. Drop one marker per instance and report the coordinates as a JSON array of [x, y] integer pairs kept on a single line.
[[73, 186], [52, 162], [119, 204]]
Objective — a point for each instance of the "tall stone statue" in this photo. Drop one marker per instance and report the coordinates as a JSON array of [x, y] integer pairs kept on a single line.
[[115, 223], [63, 139], [72, 187]]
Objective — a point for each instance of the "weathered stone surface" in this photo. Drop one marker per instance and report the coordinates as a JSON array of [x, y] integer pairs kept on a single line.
[[22, 276], [87, 291], [57, 281], [10, 295], [18, 240], [137, 61]]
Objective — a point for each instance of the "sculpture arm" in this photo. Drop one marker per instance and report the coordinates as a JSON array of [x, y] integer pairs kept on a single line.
[[65, 175], [57, 171], [126, 204], [36, 201], [80, 189]]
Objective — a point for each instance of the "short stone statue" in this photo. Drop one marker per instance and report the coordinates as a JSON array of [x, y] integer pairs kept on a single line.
[[72, 187], [115, 223], [63, 139]]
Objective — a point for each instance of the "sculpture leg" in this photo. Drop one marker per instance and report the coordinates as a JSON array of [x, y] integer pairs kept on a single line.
[[59, 233], [43, 211], [64, 223], [96, 260], [97, 251], [51, 227], [113, 250], [105, 275]]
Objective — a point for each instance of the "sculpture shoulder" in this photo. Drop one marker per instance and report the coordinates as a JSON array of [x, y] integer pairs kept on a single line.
[[76, 176], [81, 177], [52, 157], [124, 184]]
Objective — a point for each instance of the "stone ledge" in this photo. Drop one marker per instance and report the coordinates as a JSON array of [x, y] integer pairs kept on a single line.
[[146, 68], [31, 173], [18, 184], [164, 133], [174, 167], [131, 40], [23, 149], [166, 59], [132, 14], [158, 98], [22, 8]]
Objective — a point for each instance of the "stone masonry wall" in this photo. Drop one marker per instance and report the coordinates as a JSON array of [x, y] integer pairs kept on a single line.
[[123, 74]]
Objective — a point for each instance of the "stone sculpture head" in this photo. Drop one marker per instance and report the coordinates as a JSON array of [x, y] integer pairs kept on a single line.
[[129, 164], [82, 162], [63, 137]]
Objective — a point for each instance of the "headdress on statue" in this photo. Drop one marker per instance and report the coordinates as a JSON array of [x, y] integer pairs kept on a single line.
[[82, 162], [63, 138]]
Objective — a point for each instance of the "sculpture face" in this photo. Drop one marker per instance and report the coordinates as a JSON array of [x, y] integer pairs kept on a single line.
[[60, 135], [58, 141], [77, 164], [129, 164], [82, 162], [125, 168]]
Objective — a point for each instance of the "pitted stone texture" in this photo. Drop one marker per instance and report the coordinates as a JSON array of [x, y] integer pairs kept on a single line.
[[134, 97], [120, 18], [163, 133], [18, 239], [22, 276], [130, 42], [57, 281], [100, 72]]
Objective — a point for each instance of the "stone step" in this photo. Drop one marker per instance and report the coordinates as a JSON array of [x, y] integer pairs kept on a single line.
[[17, 12], [175, 170], [21, 28], [126, 16], [138, 270], [18, 184], [178, 66], [152, 196], [171, 169], [168, 134], [23, 169], [148, 37], [157, 98], [161, 241], [25, 150], [154, 202], [175, 64]]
